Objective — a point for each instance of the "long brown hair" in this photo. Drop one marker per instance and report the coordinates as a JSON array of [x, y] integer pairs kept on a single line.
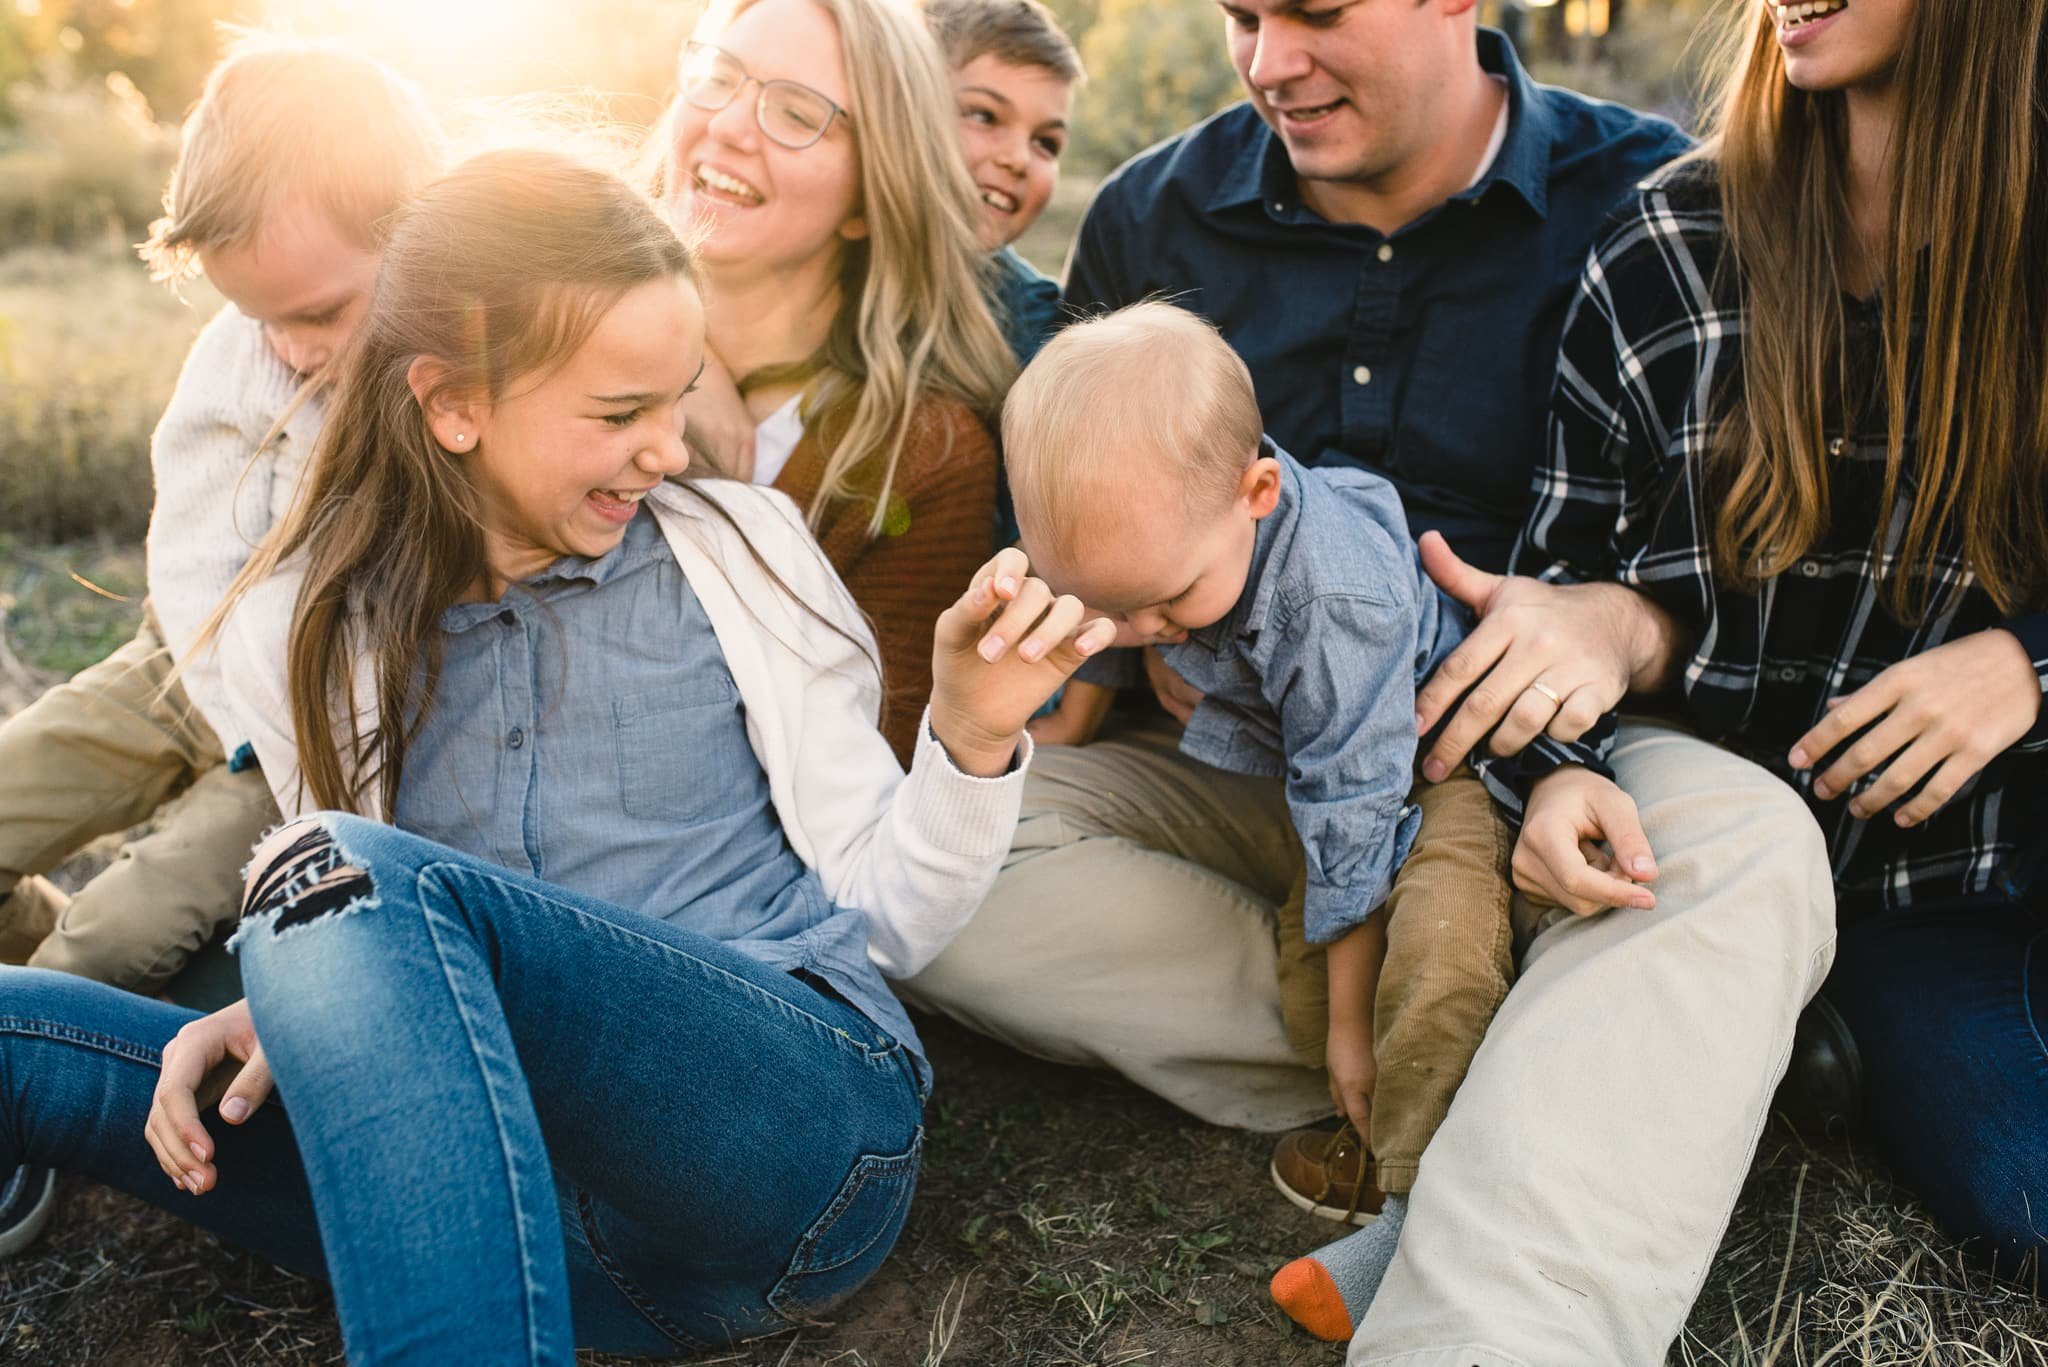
[[500, 270], [914, 320], [1965, 252]]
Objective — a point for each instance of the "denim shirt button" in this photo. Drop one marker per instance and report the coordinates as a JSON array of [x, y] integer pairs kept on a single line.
[[1362, 375], [515, 738], [1386, 251]]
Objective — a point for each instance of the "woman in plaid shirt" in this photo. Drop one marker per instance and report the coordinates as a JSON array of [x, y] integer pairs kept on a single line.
[[1802, 407]]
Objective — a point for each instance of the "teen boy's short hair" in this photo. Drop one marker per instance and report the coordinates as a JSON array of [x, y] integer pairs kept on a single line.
[[286, 119], [1148, 402], [1020, 32]]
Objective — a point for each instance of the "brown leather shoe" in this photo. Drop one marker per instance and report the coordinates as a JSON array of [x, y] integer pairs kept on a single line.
[[1326, 1173]]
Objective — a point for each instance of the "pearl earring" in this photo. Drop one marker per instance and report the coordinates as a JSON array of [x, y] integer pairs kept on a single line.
[[462, 438]]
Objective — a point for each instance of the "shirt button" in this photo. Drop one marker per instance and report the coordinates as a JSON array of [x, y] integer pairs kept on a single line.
[[1809, 569], [515, 738], [508, 617], [1789, 674], [1835, 447], [1386, 251], [1362, 375], [1278, 207]]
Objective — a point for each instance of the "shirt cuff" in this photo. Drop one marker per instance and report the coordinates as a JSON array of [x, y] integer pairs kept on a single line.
[[1332, 910], [1510, 778], [2032, 631], [960, 812]]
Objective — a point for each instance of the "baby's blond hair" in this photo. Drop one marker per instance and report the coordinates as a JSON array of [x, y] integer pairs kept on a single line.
[[283, 119], [1115, 406]]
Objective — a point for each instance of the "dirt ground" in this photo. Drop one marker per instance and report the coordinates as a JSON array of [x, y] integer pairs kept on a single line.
[[1065, 1218]]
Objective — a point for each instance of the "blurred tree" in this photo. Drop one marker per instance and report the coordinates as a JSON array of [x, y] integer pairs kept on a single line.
[[1154, 67], [163, 46]]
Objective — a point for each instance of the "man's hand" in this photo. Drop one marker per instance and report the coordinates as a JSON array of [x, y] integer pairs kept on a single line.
[[1940, 716], [1545, 659], [1582, 845], [183, 1148]]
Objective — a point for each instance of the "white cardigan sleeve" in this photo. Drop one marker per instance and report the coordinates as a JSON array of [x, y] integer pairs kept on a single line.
[[915, 854]]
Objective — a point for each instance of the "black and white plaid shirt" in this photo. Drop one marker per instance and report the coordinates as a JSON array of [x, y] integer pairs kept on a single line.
[[1650, 354]]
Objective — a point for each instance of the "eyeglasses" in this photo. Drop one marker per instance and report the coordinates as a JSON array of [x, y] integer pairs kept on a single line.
[[791, 113]]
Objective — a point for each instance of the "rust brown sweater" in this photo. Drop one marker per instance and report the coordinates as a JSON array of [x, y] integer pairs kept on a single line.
[[940, 528]]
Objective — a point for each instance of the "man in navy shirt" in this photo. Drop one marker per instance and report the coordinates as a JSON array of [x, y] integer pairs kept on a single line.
[[1389, 231], [1410, 328]]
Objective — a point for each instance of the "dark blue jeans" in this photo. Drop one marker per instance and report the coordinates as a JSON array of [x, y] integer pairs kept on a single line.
[[1950, 1010], [519, 1120]]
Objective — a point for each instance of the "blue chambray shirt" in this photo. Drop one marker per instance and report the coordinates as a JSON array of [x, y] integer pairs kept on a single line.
[[586, 731], [1312, 677]]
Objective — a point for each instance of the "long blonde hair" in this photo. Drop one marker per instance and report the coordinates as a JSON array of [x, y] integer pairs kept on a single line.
[[500, 270], [914, 320], [1966, 248]]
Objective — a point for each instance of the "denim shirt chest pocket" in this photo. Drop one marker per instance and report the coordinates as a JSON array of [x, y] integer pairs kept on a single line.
[[682, 748]]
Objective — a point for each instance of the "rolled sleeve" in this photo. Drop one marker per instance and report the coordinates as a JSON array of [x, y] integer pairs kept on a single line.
[[1342, 680]]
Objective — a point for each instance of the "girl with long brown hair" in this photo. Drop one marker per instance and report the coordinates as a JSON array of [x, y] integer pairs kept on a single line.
[[575, 987], [1802, 405]]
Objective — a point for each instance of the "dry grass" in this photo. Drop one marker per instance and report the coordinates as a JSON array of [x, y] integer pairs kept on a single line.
[[89, 352]]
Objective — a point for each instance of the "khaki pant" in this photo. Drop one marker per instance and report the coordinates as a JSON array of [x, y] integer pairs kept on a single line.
[[94, 757], [1584, 1173]]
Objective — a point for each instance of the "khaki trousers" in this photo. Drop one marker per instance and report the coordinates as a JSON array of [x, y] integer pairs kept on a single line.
[[96, 756], [1585, 1170]]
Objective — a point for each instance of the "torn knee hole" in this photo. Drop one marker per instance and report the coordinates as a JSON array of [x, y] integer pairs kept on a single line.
[[299, 874]]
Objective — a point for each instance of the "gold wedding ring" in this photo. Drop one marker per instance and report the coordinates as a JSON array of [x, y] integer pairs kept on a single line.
[[1538, 686]]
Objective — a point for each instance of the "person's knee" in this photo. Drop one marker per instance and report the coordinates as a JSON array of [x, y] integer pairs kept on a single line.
[[305, 870]]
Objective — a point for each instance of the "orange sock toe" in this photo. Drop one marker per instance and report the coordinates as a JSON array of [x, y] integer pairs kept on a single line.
[[1305, 1291]]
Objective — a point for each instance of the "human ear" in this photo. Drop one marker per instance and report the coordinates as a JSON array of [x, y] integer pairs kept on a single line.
[[454, 414], [1260, 487]]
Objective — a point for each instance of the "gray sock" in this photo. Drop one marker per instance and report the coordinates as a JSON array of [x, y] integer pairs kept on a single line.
[[1358, 1262]]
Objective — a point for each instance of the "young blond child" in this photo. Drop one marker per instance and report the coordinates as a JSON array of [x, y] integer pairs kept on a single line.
[[1014, 75], [1294, 601], [291, 161]]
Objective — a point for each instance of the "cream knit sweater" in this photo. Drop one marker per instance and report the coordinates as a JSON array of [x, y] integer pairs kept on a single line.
[[216, 494]]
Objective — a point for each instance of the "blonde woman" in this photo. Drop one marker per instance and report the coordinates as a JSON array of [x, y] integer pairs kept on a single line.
[[810, 153]]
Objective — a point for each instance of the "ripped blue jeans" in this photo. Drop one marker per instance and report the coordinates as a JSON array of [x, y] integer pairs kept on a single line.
[[509, 1120]]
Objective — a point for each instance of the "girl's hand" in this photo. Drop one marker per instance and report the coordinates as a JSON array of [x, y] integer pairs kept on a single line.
[[998, 654], [183, 1149], [716, 423], [1559, 857], [1941, 716]]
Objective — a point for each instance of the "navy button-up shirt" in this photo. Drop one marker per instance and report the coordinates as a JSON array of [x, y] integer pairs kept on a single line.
[[1427, 355]]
